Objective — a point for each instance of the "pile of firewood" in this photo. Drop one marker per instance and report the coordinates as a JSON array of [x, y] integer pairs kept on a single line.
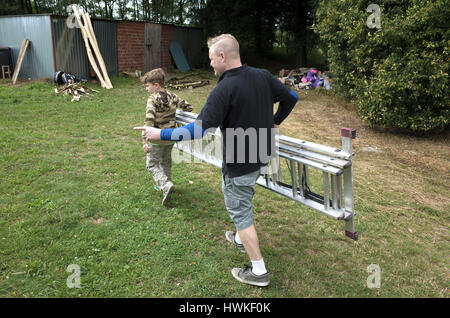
[[181, 85], [76, 90]]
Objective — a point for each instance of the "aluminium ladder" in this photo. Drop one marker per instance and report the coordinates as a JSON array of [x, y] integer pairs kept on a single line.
[[335, 165]]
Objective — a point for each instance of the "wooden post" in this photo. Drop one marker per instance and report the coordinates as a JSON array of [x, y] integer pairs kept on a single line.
[[23, 49]]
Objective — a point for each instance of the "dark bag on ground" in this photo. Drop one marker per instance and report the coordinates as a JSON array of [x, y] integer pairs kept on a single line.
[[61, 78]]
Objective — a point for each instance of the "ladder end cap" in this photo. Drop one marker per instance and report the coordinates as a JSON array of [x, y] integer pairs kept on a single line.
[[348, 132]]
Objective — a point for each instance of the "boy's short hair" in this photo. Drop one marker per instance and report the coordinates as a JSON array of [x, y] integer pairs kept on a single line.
[[156, 75]]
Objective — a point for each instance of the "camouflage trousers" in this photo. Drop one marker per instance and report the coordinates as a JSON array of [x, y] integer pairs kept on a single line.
[[159, 163]]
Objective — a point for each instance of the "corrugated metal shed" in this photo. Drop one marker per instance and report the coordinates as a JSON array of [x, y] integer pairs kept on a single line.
[[38, 60], [106, 34], [54, 46], [70, 51]]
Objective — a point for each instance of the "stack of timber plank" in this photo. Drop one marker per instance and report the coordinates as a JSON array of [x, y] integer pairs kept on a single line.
[[90, 40]]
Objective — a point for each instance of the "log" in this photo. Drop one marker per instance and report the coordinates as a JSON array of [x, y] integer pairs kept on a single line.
[[23, 49]]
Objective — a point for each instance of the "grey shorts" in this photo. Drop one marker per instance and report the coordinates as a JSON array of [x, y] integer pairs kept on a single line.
[[238, 194]]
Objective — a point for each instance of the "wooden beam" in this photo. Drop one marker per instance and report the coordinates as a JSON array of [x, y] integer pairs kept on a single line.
[[23, 49], [94, 44], [88, 49]]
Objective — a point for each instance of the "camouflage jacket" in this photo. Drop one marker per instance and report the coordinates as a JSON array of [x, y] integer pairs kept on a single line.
[[161, 109]]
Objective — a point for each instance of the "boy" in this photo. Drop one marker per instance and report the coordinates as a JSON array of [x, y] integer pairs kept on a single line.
[[160, 113]]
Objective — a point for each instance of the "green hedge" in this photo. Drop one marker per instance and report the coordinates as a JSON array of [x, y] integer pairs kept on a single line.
[[397, 74]]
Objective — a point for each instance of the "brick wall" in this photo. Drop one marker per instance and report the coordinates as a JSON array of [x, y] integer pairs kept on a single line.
[[130, 45]]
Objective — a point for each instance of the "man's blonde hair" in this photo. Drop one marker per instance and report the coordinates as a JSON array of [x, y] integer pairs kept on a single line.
[[224, 43], [154, 76]]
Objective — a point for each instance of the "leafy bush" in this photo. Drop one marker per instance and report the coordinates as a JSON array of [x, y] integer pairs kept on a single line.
[[398, 73]]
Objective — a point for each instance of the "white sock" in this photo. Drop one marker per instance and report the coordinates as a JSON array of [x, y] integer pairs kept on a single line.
[[237, 238], [258, 267]]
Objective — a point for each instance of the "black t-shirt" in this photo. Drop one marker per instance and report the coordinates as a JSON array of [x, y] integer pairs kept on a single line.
[[241, 104]]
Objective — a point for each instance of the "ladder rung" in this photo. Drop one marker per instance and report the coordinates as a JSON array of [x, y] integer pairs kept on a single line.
[[301, 177], [326, 191], [336, 191], [293, 171]]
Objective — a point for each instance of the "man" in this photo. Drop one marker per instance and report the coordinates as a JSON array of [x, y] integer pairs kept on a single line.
[[241, 104]]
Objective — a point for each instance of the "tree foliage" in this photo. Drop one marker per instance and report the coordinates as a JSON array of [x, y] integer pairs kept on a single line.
[[159, 11], [12, 7], [398, 74], [296, 18], [254, 22]]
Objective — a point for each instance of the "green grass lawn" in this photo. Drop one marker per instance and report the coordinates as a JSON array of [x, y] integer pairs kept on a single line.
[[74, 190]]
